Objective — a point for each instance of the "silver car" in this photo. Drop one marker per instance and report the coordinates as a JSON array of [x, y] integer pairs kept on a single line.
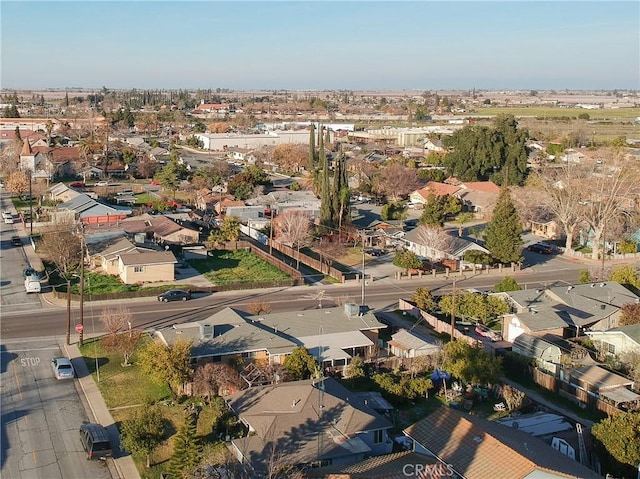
[[62, 368]]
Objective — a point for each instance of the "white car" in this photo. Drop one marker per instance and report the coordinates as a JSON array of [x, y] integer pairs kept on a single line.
[[102, 183], [62, 368], [6, 214], [9, 220]]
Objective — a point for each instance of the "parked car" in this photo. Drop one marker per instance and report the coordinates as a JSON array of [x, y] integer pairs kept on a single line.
[[174, 295], [374, 252], [16, 241], [95, 441], [62, 368], [540, 248], [102, 183], [77, 184], [8, 220], [6, 214]]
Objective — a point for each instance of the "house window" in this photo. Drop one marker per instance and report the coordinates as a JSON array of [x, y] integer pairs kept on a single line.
[[138, 269], [377, 436], [611, 348]]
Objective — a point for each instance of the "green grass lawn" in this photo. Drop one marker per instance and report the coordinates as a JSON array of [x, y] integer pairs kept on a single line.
[[144, 198], [120, 386], [552, 112], [229, 267]]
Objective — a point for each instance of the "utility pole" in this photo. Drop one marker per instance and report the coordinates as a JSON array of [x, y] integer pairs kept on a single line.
[[30, 202], [453, 311], [604, 249], [81, 338]]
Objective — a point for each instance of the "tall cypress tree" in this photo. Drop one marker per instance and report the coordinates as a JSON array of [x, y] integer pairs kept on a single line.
[[311, 164], [187, 450], [326, 201], [340, 192], [503, 232]]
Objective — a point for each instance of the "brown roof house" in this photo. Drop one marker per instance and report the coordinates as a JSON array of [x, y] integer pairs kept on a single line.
[[311, 422], [146, 266], [474, 448], [167, 230]]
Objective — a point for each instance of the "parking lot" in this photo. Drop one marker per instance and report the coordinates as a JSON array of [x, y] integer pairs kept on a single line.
[[41, 417]]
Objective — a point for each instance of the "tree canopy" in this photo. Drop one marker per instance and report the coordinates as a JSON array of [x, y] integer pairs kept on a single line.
[[503, 232], [300, 364], [620, 436], [470, 364], [480, 153]]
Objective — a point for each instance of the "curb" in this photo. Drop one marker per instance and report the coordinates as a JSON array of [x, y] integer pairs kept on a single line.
[[124, 465]]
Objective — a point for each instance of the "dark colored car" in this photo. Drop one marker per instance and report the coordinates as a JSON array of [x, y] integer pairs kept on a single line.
[[375, 252], [29, 271], [16, 241], [174, 295], [77, 184], [95, 441], [540, 248]]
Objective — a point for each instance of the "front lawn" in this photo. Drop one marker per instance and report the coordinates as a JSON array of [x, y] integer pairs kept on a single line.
[[240, 266]]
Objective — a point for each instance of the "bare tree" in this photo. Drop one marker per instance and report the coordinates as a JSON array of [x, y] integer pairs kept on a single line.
[[329, 250], [258, 307], [18, 182], [605, 196], [63, 247], [434, 237], [532, 204], [290, 156], [396, 181], [120, 337], [214, 379], [293, 228], [564, 188]]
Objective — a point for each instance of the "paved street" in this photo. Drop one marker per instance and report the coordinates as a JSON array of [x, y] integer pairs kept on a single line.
[[41, 417]]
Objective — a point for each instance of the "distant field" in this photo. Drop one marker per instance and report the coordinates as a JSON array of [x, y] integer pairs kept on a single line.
[[620, 114]]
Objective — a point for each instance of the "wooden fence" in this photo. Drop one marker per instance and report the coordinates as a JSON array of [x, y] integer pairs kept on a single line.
[[437, 324], [309, 261]]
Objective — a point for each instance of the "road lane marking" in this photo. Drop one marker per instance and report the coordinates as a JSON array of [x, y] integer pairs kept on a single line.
[[15, 375], [27, 350]]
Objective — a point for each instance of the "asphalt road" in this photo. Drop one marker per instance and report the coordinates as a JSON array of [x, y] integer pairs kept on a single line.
[[41, 417], [381, 293]]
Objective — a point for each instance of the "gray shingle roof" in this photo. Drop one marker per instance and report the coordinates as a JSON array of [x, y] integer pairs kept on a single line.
[[305, 419], [147, 258]]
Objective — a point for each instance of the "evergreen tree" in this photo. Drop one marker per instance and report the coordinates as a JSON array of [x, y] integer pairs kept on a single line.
[[340, 193], [187, 450], [17, 134], [313, 156], [326, 201], [503, 232]]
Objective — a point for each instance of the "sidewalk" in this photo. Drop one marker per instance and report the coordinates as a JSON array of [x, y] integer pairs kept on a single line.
[[124, 465]]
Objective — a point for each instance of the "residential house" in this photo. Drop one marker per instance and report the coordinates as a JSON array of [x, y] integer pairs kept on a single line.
[[410, 344], [475, 448], [546, 229], [334, 334], [432, 188], [238, 154], [434, 145], [107, 255], [88, 210], [166, 230], [565, 311], [146, 266], [279, 201], [61, 193], [546, 354], [592, 382], [8, 136], [448, 248], [616, 341], [312, 422]]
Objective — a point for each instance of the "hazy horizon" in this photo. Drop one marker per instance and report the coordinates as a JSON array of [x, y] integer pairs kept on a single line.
[[321, 45]]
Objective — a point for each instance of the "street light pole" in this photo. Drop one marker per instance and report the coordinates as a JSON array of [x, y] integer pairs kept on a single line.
[[68, 312], [80, 341], [30, 203], [362, 302]]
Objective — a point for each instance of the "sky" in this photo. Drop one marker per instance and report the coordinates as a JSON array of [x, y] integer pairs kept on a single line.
[[321, 45]]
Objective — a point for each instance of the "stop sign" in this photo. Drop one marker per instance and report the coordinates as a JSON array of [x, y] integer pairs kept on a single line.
[[79, 328]]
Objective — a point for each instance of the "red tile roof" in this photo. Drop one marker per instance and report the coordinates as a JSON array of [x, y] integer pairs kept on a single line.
[[481, 449], [484, 186], [437, 189]]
